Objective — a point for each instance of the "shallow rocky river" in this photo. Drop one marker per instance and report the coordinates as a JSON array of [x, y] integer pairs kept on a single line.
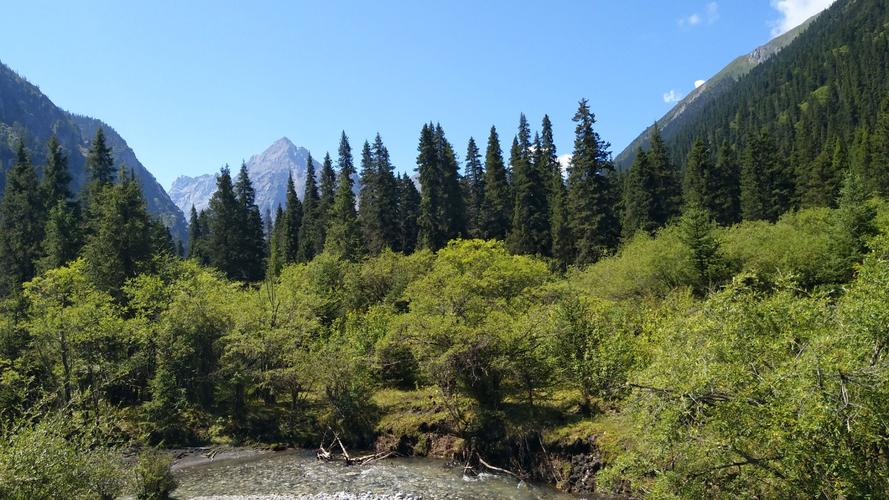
[[296, 474]]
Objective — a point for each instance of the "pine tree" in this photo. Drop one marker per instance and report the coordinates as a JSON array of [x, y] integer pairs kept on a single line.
[[530, 222], [474, 181], [293, 218], [854, 226], [56, 178], [766, 186], [310, 234], [344, 232], [562, 239], [120, 246], [223, 221], [592, 193], [198, 237], [252, 252], [327, 192], [99, 162], [667, 194], [452, 195], [433, 231], [277, 244], [726, 202], [639, 204], [61, 241], [878, 167], [698, 177], [387, 198], [818, 184], [408, 212], [860, 160], [696, 231], [497, 209], [548, 158], [21, 224]]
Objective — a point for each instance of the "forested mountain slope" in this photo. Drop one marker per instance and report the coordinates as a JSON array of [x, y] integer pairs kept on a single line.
[[25, 112]]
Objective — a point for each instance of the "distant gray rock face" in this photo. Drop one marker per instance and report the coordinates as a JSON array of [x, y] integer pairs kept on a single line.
[[268, 171]]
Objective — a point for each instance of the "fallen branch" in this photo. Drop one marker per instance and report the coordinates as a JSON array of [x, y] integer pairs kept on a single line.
[[498, 469]]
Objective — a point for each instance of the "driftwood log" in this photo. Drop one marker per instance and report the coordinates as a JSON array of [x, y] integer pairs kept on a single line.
[[329, 455]]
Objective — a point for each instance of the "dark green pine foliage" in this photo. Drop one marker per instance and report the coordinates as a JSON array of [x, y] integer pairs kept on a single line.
[[878, 162], [497, 209], [120, 245], [530, 222], [344, 232], [326, 193], [311, 241], [667, 193], [408, 212], [61, 241], [697, 177], [198, 236], [293, 218], [99, 162], [452, 195], [387, 200], [251, 240], [639, 204], [767, 186], [818, 185], [725, 205], [277, 244], [592, 192], [21, 223], [854, 225], [431, 223], [548, 159], [378, 201], [562, 239], [55, 185], [474, 191], [224, 223], [696, 231]]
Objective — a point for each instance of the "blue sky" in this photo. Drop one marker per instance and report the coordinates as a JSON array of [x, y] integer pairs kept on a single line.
[[192, 85]]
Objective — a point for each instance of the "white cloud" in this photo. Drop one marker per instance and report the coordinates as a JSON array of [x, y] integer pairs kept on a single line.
[[671, 97], [794, 12], [564, 162], [698, 83], [710, 16]]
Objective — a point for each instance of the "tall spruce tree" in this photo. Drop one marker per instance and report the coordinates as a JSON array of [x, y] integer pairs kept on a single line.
[[252, 252], [431, 223], [344, 232], [387, 199], [639, 204], [21, 223], [452, 194], [408, 212], [198, 234], [310, 233], [326, 194], [530, 222], [277, 244], [726, 197], [498, 201], [99, 162], [61, 241], [700, 182], [667, 195], [474, 182], [818, 182], [878, 168], [562, 239], [293, 218], [55, 185], [120, 246], [223, 220], [766, 184], [592, 191]]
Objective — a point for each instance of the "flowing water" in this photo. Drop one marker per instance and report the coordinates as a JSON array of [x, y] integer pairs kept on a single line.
[[296, 474]]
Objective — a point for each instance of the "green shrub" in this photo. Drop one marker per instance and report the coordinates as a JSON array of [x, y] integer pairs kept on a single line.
[[154, 479]]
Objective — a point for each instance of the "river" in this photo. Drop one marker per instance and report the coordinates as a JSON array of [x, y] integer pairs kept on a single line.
[[296, 474]]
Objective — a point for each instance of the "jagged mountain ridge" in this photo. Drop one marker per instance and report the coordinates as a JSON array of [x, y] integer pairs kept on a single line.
[[692, 105], [268, 171], [26, 113]]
